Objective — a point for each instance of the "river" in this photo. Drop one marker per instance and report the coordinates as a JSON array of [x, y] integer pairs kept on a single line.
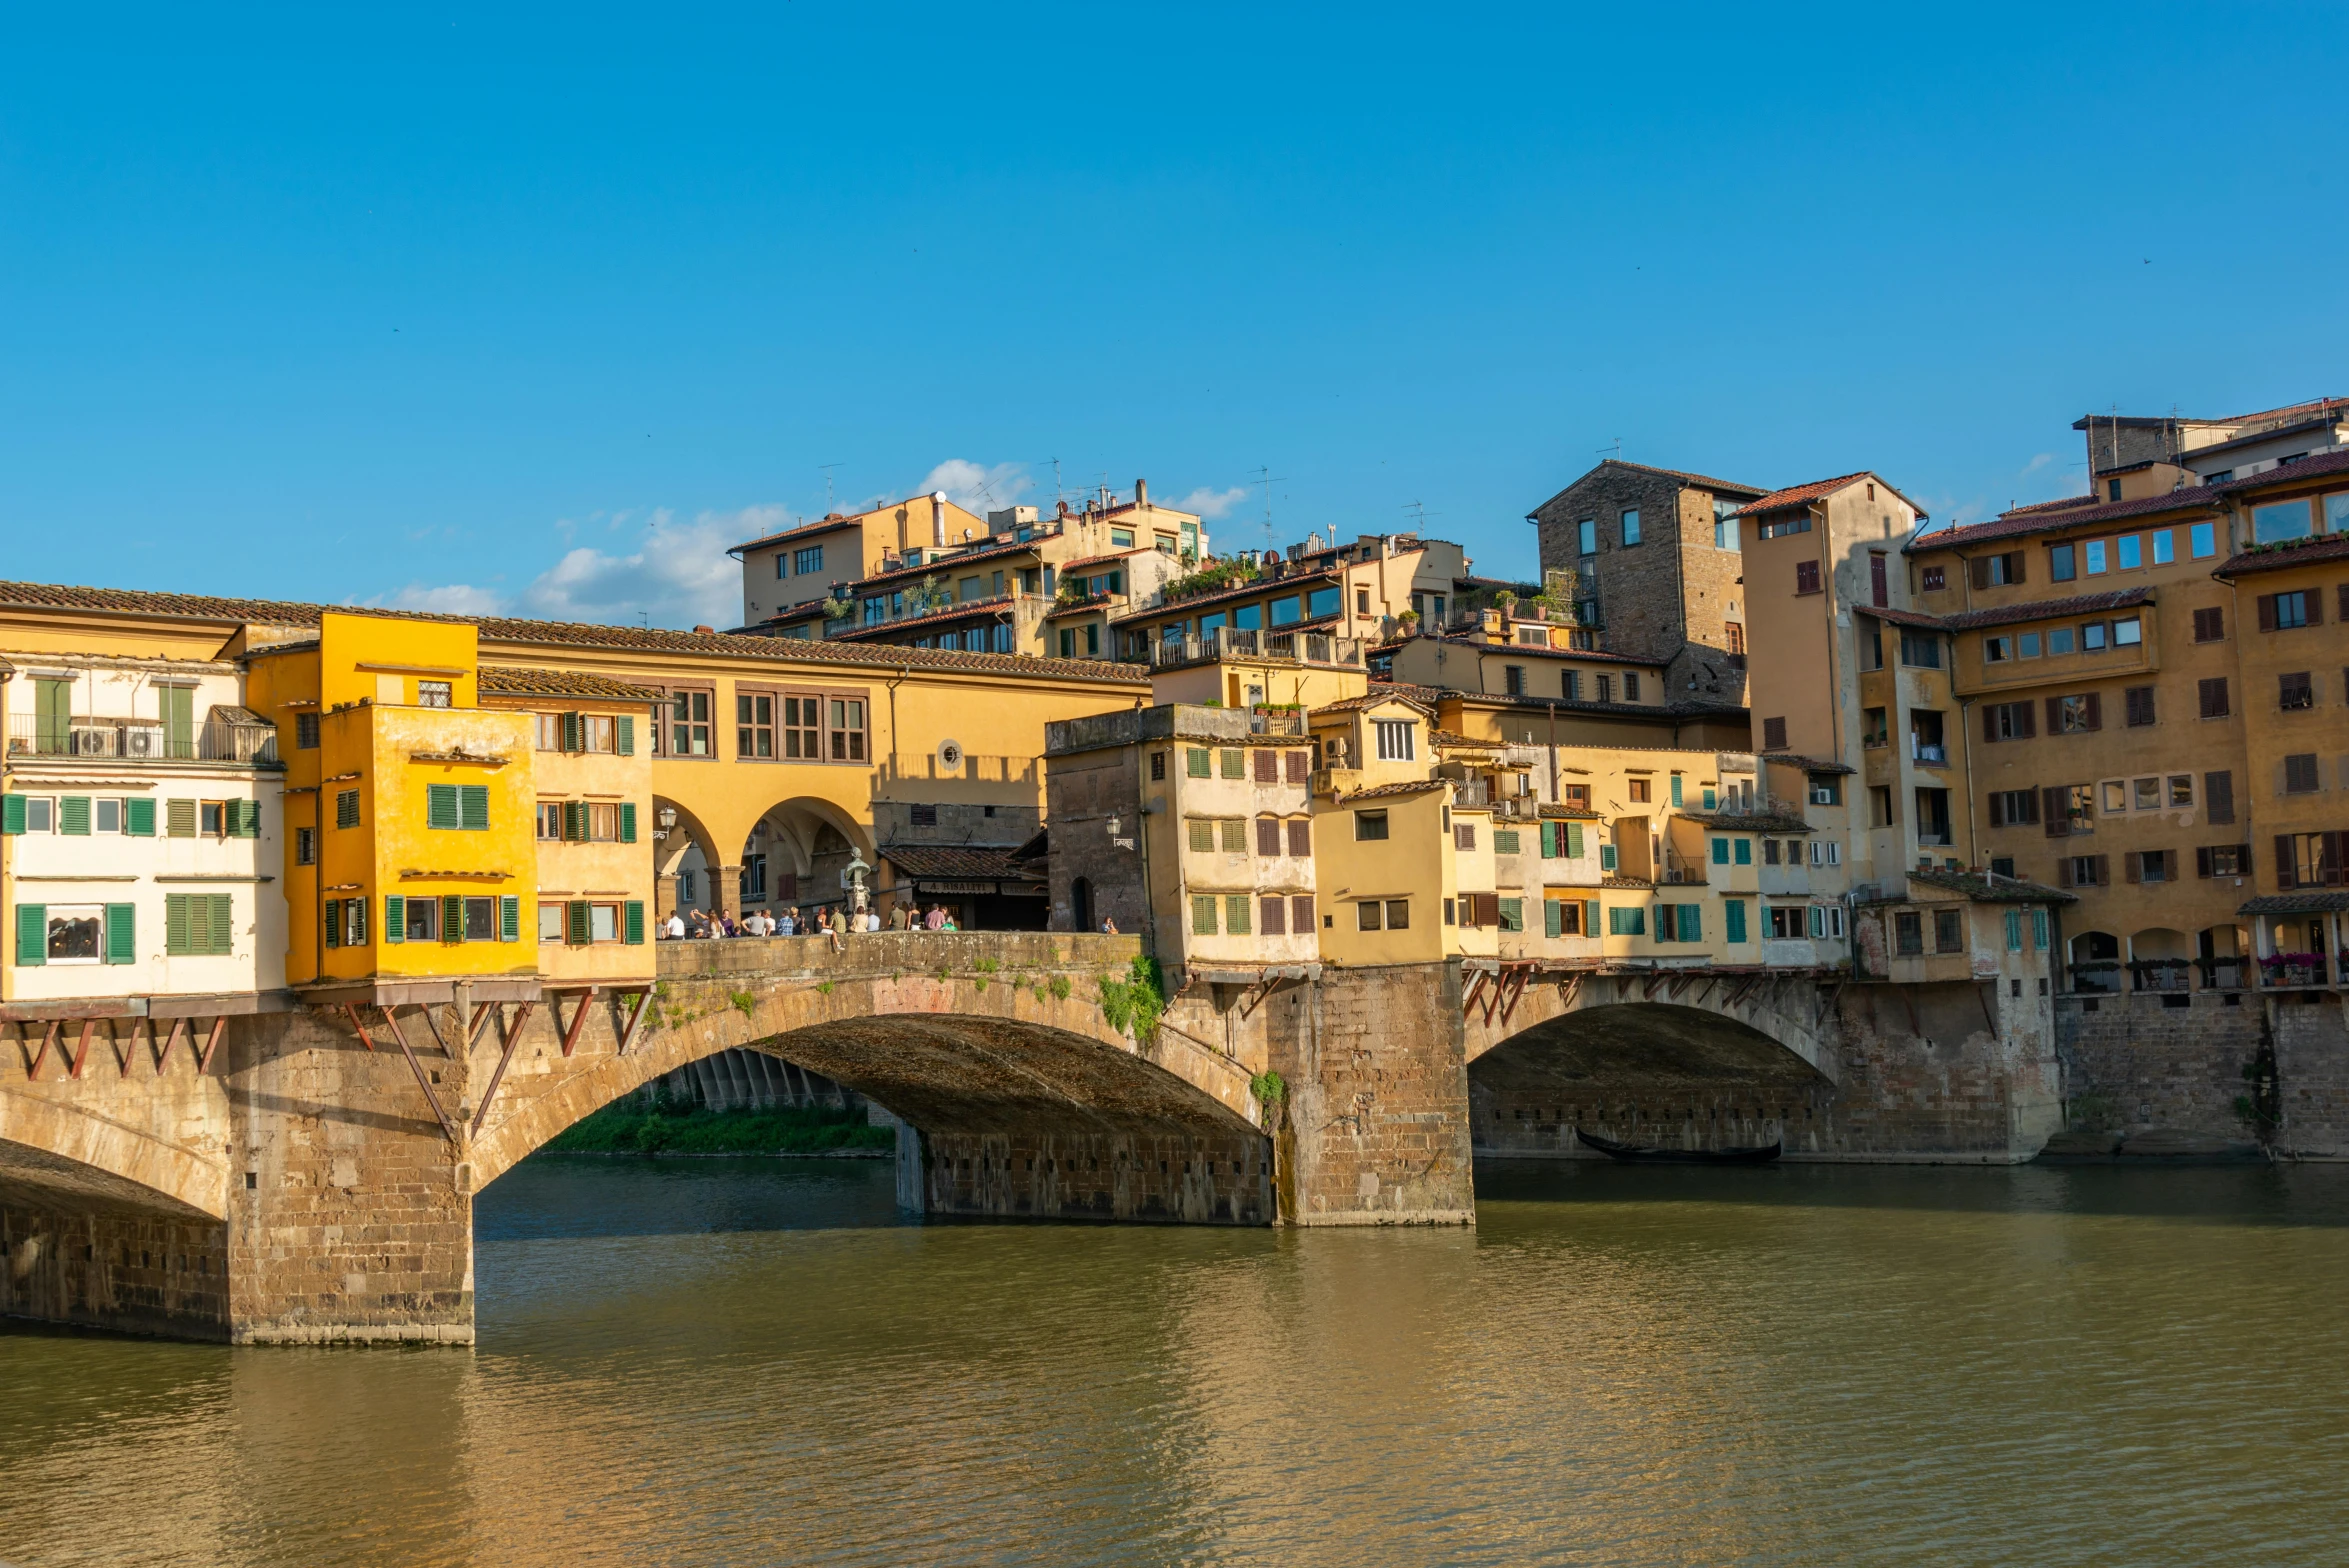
[[752, 1361]]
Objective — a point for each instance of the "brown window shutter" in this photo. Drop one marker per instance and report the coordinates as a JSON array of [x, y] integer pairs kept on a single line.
[[2284, 877], [2267, 612], [2104, 871], [1979, 566], [1268, 831], [2059, 825], [2014, 568], [2131, 866], [2095, 711], [2063, 871], [2028, 721], [2341, 606], [1989, 721], [1268, 765], [2315, 600], [2055, 715], [2214, 697], [2218, 797], [1997, 809], [2202, 860]]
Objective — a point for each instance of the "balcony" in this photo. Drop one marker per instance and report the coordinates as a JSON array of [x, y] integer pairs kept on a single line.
[[969, 767], [1930, 752], [1231, 642], [2224, 974], [1680, 872], [2293, 971], [2098, 977], [2161, 974], [139, 740]]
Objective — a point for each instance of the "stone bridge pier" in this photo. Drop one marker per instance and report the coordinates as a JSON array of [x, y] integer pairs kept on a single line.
[[308, 1175]]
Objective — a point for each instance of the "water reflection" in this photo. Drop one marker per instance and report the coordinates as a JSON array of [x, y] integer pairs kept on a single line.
[[722, 1362]]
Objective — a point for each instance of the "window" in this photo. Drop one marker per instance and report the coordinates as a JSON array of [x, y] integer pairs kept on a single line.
[[1562, 917], [1998, 571], [2027, 645], [1586, 536], [2060, 640], [1236, 914], [1572, 685], [353, 921], [306, 731], [433, 694], [1875, 729], [1733, 638], [2129, 552], [846, 729], [1908, 927], [1783, 922], [1268, 836], [1934, 579], [2218, 797], [1232, 764], [2222, 860], [2061, 565], [1507, 842], [305, 846], [1464, 835], [1773, 734], [2003, 721], [1806, 577], [198, 924], [2116, 797], [1513, 680], [806, 560], [2210, 625], [2300, 773], [1724, 525], [2149, 865], [689, 723], [2071, 808], [1920, 650], [1627, 920], [2289, 611], [2094, 556], [1394, 740], [1158, 766], [2145, 794], [754, 724], [1511, 914], [211, 817], [2282, 520], [1232, 835], [1272, 916], [2204, 538], [1997, 650], [2164, 547], [2080, 871], [1787, 523], [1949, 931], [2214, 697], [1630, 532], [1606, 684], [1369, 826], [1282, 611], [2013, 807], [2138, 701], [2308, 859], [2074, 715], [1631, 686], [2092, 637], [2128, 632], [1203, 914], [1196, 763], [458, 807], [1639, 791], [2295, 690], [1367, 915], [1826, 789]]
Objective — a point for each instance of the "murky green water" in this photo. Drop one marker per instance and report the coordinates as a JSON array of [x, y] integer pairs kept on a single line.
[[753, 1362]]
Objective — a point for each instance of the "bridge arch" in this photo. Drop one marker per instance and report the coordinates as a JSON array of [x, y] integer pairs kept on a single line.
[[1686, 1059], [77, 1155], [1018, 1095]]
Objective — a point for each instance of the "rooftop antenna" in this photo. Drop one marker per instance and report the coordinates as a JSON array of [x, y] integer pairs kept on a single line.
[[829, 508], [1615, 451], [1056, 492], [1267, 478]]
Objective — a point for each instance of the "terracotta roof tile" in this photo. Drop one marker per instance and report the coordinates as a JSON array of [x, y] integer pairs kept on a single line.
[[800, 531], [2283, 557], [1551, 653], [1372, 699], [1748, 821], [1800, 495], [1196, 602], [1807, 764], [498, 680], [967, 609], [2033, 520], [1388, 791], [2048, 609], [1983, 888], [1885, 612], [958, 863], [566, 634]]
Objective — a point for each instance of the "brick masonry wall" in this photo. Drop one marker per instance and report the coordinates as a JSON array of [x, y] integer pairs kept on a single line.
[[1197, 1179], [122, 1269], [2312, 1078], [2133, 1064]]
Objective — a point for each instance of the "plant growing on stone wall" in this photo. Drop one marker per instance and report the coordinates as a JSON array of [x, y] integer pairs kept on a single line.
[[986, 966], [1136, 1002], [823, 988], [743, 1001], [1060, 988], [1271, 1091]]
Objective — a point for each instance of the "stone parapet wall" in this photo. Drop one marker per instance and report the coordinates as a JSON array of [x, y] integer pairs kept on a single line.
[[2134, 1064]]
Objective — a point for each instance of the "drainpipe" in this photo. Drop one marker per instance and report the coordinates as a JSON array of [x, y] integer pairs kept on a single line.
[[1966, 734]]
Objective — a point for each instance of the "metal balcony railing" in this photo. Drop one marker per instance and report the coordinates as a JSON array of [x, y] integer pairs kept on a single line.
[[1226, 642], [1928, 751], [2224, 974], [2293, 971], [139, 740], [2161, 974]]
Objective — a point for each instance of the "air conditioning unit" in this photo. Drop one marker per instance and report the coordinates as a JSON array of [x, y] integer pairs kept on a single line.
[[92, 743], [1822, 796], [142, 743], [950, 755]]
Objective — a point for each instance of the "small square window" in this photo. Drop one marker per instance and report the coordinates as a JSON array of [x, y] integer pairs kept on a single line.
[[432, 694]]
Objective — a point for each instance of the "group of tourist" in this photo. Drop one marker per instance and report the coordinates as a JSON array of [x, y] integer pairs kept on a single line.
[[693, 925]]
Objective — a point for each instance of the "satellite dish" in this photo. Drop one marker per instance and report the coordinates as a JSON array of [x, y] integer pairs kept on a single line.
[[950, 755]]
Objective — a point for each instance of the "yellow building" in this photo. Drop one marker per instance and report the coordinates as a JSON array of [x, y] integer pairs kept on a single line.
[[797, 566]]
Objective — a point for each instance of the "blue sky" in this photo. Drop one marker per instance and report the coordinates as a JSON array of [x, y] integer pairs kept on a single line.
[[538, 310]]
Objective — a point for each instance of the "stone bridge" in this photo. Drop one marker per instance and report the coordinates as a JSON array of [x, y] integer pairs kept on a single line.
[[308, 1175]]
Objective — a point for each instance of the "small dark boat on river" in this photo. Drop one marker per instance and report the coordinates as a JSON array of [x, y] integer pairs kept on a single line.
[[1649, 1154]]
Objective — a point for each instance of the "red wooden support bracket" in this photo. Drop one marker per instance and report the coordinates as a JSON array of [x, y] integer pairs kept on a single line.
[[48, 1038], [482, 1012], [1468, 996], [351, 1010], [127, 1047], [635, 1016], [81, 1051], [521, 1020], [1516, 990], [391, 1021], [430, 1024], [163, 1057], [505, 1059], [578, 1018], [211, 1044]]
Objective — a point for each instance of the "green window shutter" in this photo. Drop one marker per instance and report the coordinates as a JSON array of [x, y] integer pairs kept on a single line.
[[509, 917], [139, 817], [219, 938], [574, 822], [628, 822], [122, 933], [1745, 851], [1574, 840], [32, 934], [1590, 918], [175, 922], [1235, 764], [440, 805], [1553, 918], [179, 818], [2014, 930], [635, 924], [1733, 919], [395, 918], [12, 813], [1720, 852], [576, 917], [1549, 841], [334, 922], [248, 815], [624, 735], [73, 815], [346, 808], [473, 807], [1692, 922], [1202, 916], [573, 736], [452, 917], [1195, 761], [1512, 914], [1235, 914]]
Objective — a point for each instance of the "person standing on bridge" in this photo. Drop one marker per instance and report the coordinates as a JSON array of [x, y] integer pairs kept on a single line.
[[936, 919], [897, 915], [674, 930]]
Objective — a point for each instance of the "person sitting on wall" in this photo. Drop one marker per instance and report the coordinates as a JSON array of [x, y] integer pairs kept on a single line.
[[1108, 926]]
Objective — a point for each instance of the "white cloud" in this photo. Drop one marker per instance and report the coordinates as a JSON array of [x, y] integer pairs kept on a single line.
[[1212, 503], [973, 487], [677, 575], [449, 599]]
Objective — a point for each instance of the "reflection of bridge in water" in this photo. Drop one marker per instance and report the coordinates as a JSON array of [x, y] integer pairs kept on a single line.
[[309, 1175]]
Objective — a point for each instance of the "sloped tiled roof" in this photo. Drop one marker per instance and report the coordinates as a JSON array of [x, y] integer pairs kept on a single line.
[[564, 634], [1747, 821], [1371, 699], [1193, 603], [1885, 612], [499, 680], [1538, 652], [1983, 888], [1386, 791], [966, 610], [2306, 902], [2283, 557], [2048, 609], [1798, 495], [1807, 764], [1703, 481], [959, 863], [824, 525], [2032, 520]]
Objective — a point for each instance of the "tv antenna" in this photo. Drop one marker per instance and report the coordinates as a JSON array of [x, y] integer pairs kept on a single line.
[[1267, 478], [829, 507], [1615, 451]]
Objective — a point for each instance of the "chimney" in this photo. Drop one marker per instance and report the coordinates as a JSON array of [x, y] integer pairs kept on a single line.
[[1141, 492], [938, 517]]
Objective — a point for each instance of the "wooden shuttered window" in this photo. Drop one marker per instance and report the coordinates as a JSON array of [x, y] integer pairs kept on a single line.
[[122, 933], [12, 813], [1272, 916], [395, 918], [1268, 831], [632, 921], [2055, 810], [2139, 702], [201, 923], [440, 806], [1300, 836], [73, 815], [138, 818], [179, 816], [32, 935], [460, 807], [2267, 612], [574, 732], [2218, 798], [452, 917], [624, 735], [333, 913], [1296, 767], [628, 822], [578, 923], [1267, 765]]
